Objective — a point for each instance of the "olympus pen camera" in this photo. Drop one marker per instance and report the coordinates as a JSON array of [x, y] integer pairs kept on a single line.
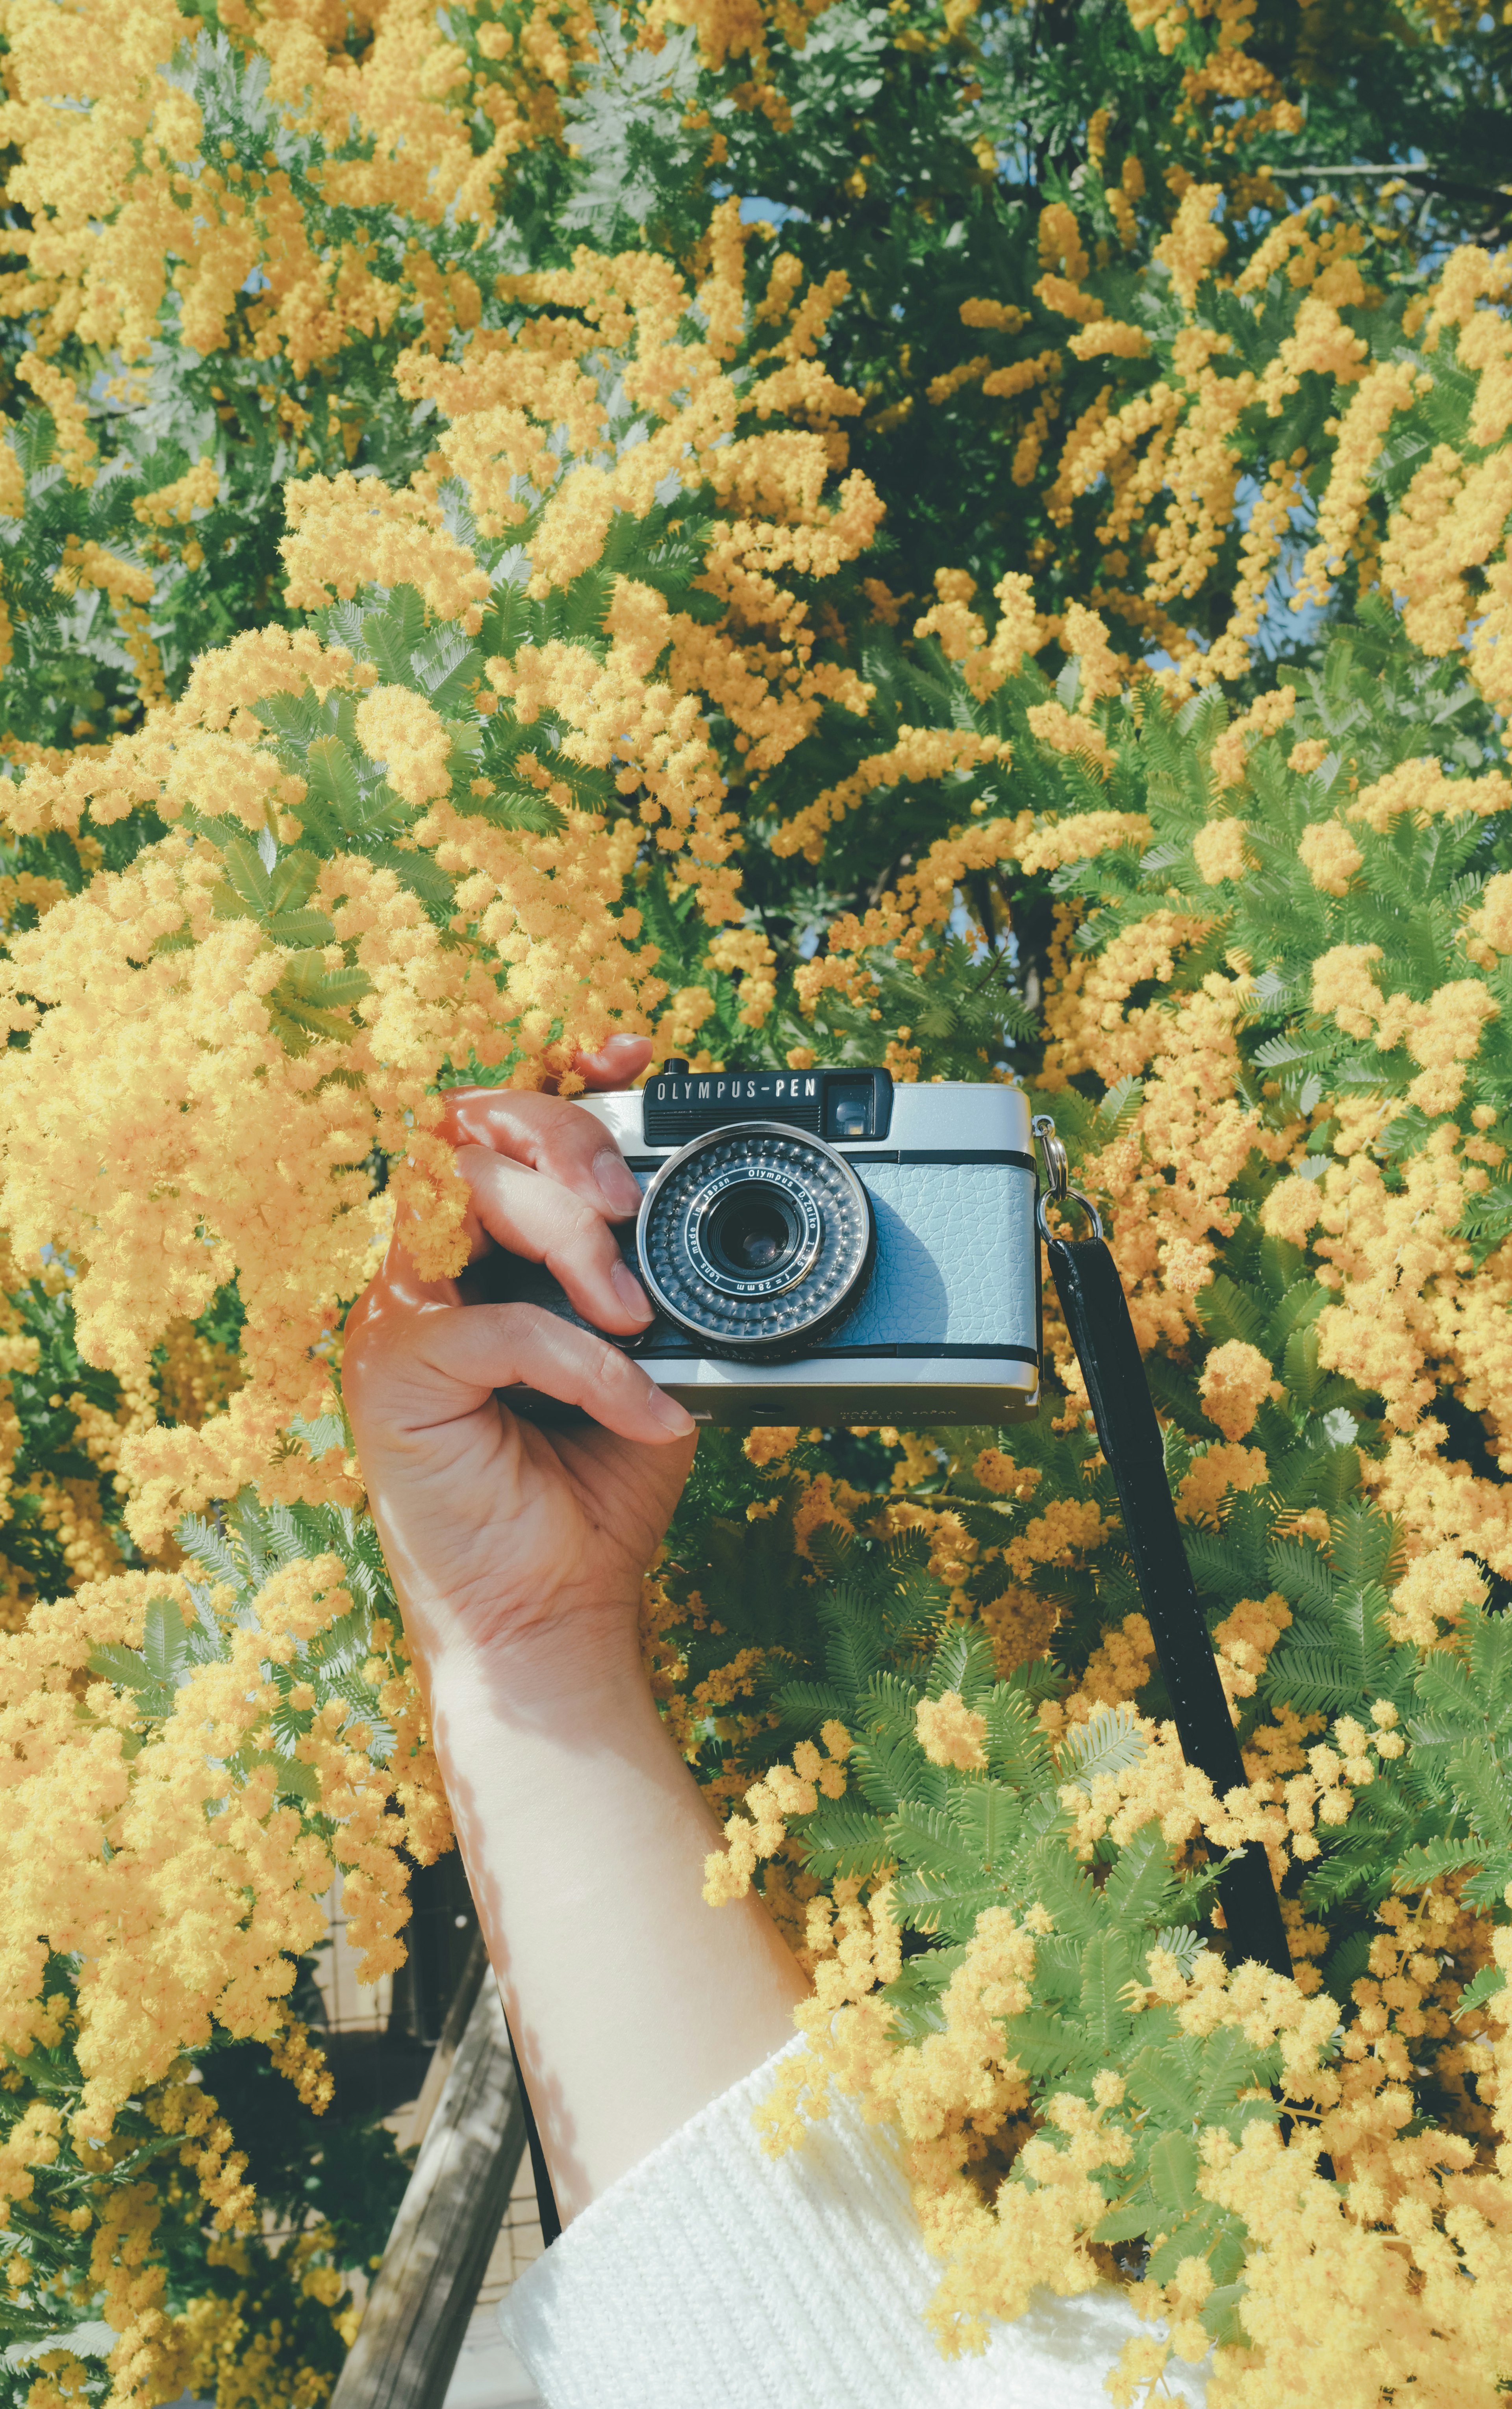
[[821, 1246]]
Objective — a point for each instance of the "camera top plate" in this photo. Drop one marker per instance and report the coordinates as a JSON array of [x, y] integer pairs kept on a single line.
[[845, 1106]]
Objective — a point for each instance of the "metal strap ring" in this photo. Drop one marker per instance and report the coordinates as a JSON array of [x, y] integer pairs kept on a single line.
[[1057, 1188], [1071, 1196]]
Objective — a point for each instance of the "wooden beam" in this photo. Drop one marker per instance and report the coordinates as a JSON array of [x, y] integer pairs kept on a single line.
[[444, 2055], [422, 2294]]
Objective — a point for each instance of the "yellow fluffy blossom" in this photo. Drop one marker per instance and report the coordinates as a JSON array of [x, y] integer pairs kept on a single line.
[[950, 1733], [1329, 855], [1235, 1381]]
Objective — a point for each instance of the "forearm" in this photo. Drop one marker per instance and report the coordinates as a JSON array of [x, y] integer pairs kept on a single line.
[[632, 2003]]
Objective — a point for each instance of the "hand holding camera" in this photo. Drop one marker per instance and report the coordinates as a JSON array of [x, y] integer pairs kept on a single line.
[[518, 1531]]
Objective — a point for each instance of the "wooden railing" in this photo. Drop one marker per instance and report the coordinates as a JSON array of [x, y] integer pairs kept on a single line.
[[471, 2120]]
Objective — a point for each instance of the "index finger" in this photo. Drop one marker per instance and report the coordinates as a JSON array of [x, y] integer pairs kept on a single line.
[[563, 1141]]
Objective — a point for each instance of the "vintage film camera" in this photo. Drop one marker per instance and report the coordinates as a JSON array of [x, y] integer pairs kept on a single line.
[[821, 1246]]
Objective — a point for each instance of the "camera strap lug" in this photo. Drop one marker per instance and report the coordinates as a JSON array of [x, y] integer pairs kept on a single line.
[[1056, 1188], [1097, 1317]]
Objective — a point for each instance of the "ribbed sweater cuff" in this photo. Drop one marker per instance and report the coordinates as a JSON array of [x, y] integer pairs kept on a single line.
[[713, 2277]]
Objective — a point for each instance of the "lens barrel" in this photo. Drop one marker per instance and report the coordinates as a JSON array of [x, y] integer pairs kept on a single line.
[[755, 1240]]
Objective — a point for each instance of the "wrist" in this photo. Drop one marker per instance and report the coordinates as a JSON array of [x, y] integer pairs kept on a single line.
[[529, 1656]]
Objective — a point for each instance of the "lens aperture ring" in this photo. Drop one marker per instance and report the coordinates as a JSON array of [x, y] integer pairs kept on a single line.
[[755, 1240]]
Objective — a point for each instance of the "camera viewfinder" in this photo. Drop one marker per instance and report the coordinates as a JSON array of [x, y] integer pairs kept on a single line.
[[849, 1109]]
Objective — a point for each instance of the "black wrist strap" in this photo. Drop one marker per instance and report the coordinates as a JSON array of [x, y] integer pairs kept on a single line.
[[1097, 1317]]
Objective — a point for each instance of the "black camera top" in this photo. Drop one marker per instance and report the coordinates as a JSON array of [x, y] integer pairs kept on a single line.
[[852, 1107]]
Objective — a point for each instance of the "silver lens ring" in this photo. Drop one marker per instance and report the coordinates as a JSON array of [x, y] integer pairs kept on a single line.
[[756, 1239], [767, 1251]]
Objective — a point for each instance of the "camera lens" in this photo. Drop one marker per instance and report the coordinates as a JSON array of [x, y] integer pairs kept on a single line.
[[755, 1240], [751, 1230]]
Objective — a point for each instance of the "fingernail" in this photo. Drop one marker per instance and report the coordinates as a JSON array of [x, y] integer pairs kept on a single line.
[[667, 1410], [616, 1184], [630, 1290]]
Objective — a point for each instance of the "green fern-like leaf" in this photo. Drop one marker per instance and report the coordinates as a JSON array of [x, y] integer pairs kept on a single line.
[[1109, 1742]]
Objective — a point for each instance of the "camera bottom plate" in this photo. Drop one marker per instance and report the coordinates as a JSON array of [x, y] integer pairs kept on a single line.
[[913, 1393]]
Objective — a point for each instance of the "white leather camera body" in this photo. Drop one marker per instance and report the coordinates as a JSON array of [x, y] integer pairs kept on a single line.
[[821, 1246]]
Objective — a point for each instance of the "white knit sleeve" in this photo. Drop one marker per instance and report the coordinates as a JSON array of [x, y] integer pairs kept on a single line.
[[713, 2277]]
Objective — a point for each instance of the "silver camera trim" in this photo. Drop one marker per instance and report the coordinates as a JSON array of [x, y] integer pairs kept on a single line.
[[779, 1284]]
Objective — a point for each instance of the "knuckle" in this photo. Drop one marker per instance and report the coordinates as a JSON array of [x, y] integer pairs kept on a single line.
[[476, 1161], [368, 1344], [356, 1364], [580, 1225], [460, 1110], [616, 1374], [499, 1120], [564, 1148]]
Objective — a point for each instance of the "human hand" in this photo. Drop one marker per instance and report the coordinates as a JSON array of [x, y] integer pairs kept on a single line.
[[496, 1530]]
